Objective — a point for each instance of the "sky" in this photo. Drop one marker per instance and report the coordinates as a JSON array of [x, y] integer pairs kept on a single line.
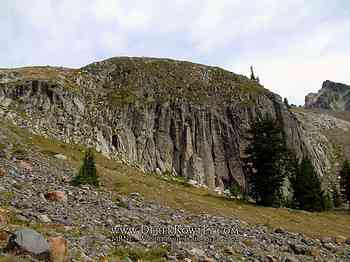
[[294, 45]]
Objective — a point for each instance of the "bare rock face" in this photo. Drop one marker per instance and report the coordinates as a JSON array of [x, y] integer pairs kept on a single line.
[[155, 114], [333, 96], [323, 152]]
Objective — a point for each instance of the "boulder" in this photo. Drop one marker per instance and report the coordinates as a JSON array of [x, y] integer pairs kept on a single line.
[[2, 172], [56, 196], [28, 241], [58, 249]]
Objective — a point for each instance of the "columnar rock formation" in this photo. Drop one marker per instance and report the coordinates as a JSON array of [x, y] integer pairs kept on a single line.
[[160, 115]]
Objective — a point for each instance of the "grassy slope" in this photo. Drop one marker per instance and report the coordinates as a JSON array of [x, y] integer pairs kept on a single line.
[[124, 180]]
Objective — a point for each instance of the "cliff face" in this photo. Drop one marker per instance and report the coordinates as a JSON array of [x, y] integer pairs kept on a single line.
[[332, 96], [159, 115]]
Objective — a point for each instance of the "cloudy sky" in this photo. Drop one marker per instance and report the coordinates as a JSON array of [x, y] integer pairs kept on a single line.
[[294, 45]]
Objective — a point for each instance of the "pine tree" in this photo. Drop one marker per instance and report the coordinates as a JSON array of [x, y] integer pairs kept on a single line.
[[87, 173], [266, 162], [345, 181], [336, 197], [285, 101], [308, 194], [252, 75]]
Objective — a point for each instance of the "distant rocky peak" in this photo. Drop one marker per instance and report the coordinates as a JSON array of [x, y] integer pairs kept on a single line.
[[332, 96]]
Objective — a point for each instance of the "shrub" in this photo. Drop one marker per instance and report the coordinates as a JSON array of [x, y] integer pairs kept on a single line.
[[337, 201], [235, 190], [87, 173]]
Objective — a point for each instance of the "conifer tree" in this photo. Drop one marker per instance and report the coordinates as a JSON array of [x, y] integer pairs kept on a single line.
[[336, 197], [308, 194], [252, 75], [285, 101], [87, 173], [345, 181], [266, 162]]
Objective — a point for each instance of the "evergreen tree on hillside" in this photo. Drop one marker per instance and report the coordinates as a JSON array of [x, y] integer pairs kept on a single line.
[[308, 194], [252, 75], [267, 162], [336, 197], [345, 181], [285, 101], [87, 173]]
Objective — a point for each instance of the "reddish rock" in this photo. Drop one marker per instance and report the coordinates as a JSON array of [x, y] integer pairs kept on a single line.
[[58, 249], [66, 179], [2, 172], [26, 165], [56, 196]]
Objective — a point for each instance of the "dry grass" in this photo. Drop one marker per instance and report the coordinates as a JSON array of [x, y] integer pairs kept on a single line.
[[125, 181]]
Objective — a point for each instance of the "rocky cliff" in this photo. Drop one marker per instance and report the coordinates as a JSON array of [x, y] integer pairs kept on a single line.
[[156, 114], [332, 96]]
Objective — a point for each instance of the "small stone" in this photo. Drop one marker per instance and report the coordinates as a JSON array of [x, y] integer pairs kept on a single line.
[[197, 252], [2, 172], [44, 219], [60, 156], [56, 196], [331, 247], [66, 179], [58, 249], [289, 259], [300, 249], [192, 182], [135, 194], [229, 251], [158, 172], [279, 231], [270, 258], [26, 165]]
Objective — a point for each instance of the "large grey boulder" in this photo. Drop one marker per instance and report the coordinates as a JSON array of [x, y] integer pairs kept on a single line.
[[28, 240]]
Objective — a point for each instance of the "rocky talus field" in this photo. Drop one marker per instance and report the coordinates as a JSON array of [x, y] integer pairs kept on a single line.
[[168, 139]]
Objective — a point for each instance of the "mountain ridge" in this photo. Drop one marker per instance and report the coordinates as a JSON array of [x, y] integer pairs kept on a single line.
[[160, 115]]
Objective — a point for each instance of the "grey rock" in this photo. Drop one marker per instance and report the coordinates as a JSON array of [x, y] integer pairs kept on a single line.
[[28, 240], [289, 259], [333, 96], [60, 156], [300, 249], [44, 218]]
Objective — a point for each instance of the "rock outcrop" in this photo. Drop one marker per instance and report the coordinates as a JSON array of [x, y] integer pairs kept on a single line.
[[317, 129], [332, 96], [157, 114]]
